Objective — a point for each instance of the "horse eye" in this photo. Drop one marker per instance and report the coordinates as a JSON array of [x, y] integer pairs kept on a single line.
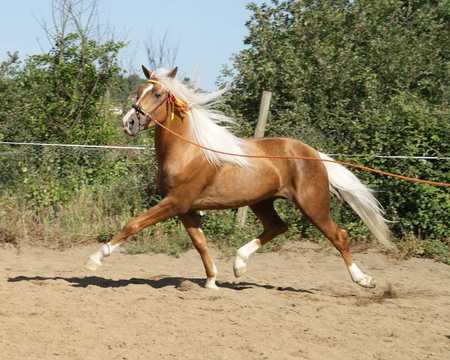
[[158, 94]]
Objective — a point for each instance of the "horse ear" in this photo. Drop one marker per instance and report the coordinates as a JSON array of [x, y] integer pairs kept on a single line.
[[173, 72], [147, 72]]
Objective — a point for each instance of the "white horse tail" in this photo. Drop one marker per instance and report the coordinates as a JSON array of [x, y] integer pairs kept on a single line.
[[344, 184]]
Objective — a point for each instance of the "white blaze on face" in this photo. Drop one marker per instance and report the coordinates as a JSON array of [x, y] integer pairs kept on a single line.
[[146, 90], [130, 121]]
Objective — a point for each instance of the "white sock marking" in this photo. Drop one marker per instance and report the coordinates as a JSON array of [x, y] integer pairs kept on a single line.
[[249, 249], [360, 278], [95, 260], [211, 281], [107, 249], [356, 273], [242, 256]]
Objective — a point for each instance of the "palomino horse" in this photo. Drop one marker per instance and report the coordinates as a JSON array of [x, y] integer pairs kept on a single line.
[[192, 178]]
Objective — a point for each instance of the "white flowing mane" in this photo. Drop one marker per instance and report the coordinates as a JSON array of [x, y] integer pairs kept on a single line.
[[205, 122]]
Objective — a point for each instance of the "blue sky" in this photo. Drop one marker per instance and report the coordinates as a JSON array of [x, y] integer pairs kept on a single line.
[[208, 32]]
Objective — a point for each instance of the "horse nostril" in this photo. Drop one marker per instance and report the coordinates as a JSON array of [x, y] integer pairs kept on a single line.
[[132, 122]]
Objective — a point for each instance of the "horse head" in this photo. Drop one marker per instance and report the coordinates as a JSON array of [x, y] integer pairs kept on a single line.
[[149, 104]]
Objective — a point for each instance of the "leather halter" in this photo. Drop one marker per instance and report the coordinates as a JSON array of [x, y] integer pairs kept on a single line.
[[170, 99]]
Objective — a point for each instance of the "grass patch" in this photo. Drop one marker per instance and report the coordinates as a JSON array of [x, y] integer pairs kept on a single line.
[[173, 242], [433, 249], [437, 250]]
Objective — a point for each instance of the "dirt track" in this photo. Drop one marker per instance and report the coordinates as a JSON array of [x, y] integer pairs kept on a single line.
[[295, 304]]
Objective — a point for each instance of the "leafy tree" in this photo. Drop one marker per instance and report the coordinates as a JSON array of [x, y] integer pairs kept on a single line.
[[60, 96], [60, 93], [358, 77], [9, 103]]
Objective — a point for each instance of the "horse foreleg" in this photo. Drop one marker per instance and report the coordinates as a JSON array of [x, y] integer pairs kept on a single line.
[[273, 226], [165, 209], [191, 222]]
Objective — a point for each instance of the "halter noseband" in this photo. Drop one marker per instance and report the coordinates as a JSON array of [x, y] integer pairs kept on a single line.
[[138, 108]]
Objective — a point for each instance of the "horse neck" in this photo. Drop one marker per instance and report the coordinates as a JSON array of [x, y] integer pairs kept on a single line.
[[168, 146]]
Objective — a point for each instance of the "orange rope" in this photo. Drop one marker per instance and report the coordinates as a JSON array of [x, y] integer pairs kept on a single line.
[[356, 166]]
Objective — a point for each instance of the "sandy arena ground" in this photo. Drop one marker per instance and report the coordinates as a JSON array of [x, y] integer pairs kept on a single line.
[[298, 303]]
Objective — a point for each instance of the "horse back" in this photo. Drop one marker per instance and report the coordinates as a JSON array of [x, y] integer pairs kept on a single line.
[[233, 186]]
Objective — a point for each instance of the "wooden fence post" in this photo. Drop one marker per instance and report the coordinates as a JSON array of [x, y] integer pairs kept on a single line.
[[241, 216]]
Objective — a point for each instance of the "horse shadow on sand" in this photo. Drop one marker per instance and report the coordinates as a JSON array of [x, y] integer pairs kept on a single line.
[[156, 282]]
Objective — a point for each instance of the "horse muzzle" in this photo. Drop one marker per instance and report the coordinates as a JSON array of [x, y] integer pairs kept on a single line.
[[131, 123]]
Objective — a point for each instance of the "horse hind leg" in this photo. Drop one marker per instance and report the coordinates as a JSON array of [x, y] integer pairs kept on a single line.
[[314, 202], [273, 226], [191, 222]]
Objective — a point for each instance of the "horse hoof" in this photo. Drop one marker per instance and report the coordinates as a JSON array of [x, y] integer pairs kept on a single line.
[[240, 267], [367, 282], [93, 263], [211, 284]]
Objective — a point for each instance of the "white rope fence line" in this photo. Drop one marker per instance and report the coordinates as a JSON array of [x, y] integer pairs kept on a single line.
[[115, 147], [394, 156], [143, 147]]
